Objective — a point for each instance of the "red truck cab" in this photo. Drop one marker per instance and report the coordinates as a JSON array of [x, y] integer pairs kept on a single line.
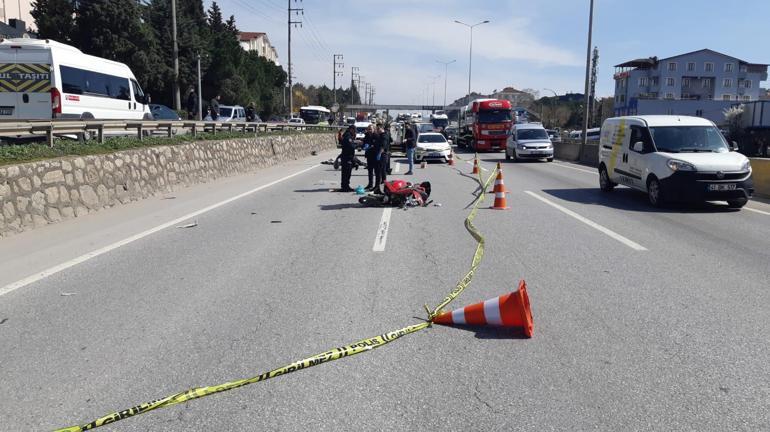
[[485, 125]]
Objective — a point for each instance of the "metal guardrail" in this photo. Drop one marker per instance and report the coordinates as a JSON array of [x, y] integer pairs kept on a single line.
[[142, 128]]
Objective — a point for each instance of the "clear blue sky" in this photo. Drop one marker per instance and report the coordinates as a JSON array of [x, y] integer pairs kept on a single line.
[[528, 44]]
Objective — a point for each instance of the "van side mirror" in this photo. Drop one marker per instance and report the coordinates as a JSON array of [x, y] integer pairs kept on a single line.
[[638, 147]]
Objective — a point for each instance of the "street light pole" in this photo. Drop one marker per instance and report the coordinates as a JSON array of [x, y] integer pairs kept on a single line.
[[586, 103], [200, 95], [470, 51], [177, 98], [446, 69]]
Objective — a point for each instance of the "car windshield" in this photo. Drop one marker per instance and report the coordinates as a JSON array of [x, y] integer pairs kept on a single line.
[[497, 116], [531, 134], [360, 130], [688, 139], [431, 139], [440, 122], [225, 112], [422, 128]]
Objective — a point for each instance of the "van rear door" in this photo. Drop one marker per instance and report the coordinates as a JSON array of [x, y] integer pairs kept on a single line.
[[25, 83]]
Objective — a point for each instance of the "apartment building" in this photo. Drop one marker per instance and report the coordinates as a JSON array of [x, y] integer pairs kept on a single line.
[[700, 83], [259, 42]]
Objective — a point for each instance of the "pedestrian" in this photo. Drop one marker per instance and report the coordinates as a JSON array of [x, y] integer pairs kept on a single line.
[[410, 142], [371, 151], [192, 105], [214, 107], [383, 163], [250, 112], [346, 158]]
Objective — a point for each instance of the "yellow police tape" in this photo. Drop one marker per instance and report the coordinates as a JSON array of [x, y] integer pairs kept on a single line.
[[324, 357]]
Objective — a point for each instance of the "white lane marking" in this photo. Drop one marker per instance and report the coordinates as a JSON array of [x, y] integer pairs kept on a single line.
[[574, 168], [757, 211], [382, 231], [95, 253], [630, 243], [397, 168], [470, 162]]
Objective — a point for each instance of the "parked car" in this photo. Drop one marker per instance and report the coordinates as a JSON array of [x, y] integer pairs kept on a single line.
[[162, 112], [228, 113], [529, 141], [432, 145], [673, 158], [296, 121]]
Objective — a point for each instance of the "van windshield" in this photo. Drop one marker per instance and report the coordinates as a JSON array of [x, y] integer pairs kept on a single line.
[[225, 112], [531, 134], [688, 139]]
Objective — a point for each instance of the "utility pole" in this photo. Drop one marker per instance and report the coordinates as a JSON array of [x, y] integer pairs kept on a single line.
[[177, 99], [337, 71], [592, 93], [584, 138], [470, 52], [200, 95], [353, 77], [292, 23], [446, 69], [368, 89]]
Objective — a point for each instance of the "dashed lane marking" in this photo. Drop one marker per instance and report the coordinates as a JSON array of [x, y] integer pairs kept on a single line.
[[630, 243], [382, 231]]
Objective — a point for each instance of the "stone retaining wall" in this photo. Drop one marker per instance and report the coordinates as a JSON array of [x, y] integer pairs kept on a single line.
[[38, 193]]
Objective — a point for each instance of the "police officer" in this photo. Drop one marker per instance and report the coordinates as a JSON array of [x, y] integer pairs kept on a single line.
[[371, 150], [384, 162], [348, 153]]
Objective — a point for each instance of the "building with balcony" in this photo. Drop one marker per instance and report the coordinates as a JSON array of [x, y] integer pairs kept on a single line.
[[700, 83], [259, 43]]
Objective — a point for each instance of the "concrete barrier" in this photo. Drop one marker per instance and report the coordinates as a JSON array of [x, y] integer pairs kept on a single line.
[[569, 150], [39, 193], [761, 174]]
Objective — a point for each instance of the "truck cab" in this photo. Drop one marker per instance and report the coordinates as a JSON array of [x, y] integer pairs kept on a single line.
[[485, 125]]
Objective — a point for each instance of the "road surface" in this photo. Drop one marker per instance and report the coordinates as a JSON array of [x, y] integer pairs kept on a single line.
[[645, 319]]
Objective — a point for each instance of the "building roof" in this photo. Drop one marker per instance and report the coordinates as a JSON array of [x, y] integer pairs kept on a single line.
[[652, 60], [247, 36]]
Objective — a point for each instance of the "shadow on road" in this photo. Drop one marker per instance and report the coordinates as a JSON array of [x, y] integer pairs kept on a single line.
[[493, 332], [340, 206], [314, 190], [631, 200]]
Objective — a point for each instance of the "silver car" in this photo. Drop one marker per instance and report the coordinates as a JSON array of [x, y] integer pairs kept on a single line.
[[529, 141]]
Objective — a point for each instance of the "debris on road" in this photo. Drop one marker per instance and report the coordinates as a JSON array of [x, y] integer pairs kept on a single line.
[[189, 225], [168, 197], [276, 221], [67, 294], [253, 213], [436, 204], [2, 321], [314, 153]]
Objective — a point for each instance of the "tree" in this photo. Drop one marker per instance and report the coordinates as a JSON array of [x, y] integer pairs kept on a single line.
[[53, 19]]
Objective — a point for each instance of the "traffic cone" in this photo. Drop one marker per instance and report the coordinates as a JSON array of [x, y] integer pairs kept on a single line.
[[423, 164], [508, 310], [499, 184], [452, 158], [475, 166], [500, 203]]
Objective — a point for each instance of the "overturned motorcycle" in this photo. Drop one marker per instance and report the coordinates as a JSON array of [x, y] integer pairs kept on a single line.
[[399, 193]]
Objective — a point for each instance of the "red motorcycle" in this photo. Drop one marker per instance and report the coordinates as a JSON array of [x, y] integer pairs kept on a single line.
[[399, 193]]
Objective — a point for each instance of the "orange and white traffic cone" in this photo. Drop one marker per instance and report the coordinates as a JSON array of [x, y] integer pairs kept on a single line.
[[509, 310], [500, 202], [423, 164], [451, 160], [499, 184], [475, 166]]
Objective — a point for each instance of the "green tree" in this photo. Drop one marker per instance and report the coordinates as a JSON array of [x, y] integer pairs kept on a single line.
[[53, 19]]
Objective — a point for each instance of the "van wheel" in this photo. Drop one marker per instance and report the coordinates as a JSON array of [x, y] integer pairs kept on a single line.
[[605, 183], [550, 159], [737, 203], [654, 192]]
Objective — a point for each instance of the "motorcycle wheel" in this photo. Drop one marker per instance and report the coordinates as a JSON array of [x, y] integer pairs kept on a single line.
[[369, 201]]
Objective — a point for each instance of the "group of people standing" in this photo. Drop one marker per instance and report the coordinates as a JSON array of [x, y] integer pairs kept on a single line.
[[376, 146]]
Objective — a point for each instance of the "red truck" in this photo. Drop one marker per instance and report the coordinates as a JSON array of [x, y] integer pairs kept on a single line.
[[485, 125]]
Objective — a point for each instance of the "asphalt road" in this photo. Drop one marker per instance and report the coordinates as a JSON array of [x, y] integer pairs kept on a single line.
[[645, 319]]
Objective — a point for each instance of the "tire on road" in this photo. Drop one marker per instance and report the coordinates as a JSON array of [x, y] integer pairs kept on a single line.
[[654, 192]]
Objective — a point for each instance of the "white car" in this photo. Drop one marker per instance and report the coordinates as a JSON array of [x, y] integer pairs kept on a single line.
[[529, 141], [673, 158], [432, 145], [227, 113], [361, 129]]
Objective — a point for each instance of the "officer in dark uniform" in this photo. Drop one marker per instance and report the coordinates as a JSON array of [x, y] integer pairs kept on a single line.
[[371, 150], [348, 153]]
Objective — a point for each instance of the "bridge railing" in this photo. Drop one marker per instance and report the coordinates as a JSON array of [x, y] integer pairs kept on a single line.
[[141, 128]]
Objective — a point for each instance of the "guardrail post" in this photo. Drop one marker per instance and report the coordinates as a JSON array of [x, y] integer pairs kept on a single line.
[[49, 135], [139, 131], [100, 134], [230, 127]]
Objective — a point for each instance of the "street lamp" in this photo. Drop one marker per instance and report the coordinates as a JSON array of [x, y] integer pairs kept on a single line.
[[588, 73], [470, 53], [556, 97], [446, 69]]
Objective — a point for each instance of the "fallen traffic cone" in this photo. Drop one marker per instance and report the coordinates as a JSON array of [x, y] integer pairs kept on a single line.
[[500, 203], [499, 185], [475, 166], [509, 310]]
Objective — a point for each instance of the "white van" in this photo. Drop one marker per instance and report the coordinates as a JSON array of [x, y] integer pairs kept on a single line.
[[43, 79], [673, 158], [529, 141]]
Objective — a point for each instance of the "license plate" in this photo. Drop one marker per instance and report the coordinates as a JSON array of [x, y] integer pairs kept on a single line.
[[435, 154], [722, 187], [6, 111]]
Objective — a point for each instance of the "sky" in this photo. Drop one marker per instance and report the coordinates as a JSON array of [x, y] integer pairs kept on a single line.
[[535, 44]]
